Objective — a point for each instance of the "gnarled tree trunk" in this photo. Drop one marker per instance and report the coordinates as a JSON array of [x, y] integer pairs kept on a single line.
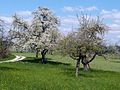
[[86, 62], [85, 67], [43, 53]]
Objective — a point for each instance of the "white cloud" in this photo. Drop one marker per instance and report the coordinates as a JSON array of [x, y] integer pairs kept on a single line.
[[68, 8], [114, 32], [7, 20], [118, 36], [24, 13], [65, 30], [117, 21], [79, 8], [114, 26], [91, 8], [69, 20], [67, 23], [112, 14]]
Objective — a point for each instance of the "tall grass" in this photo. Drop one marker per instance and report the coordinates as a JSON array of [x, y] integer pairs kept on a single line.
[[58, 74]]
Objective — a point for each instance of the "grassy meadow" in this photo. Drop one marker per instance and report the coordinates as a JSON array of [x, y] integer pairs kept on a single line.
[[58, 74], [9, 57]]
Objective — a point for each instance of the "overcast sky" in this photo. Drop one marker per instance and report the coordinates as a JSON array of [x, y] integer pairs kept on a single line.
[[66, 10]]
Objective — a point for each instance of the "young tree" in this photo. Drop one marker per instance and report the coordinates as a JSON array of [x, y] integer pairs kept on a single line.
[[85, 43]]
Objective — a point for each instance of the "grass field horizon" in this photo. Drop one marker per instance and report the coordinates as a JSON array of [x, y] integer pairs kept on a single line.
[[59, 74]]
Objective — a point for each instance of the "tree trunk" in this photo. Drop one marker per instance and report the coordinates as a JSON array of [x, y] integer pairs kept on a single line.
[[85, 63], [88, 66], [77, 67], [37, 52], [43, 53], [85, 67]]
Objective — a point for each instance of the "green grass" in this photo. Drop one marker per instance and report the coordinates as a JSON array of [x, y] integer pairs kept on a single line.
[[58, 74], [9, 57]]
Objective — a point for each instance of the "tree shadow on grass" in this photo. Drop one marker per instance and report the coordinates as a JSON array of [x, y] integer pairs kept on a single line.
[[68, 70], [115, 61], [56, 63], [38, 60], [8, 68], [92, 73], [31, 60], [4, 68]]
